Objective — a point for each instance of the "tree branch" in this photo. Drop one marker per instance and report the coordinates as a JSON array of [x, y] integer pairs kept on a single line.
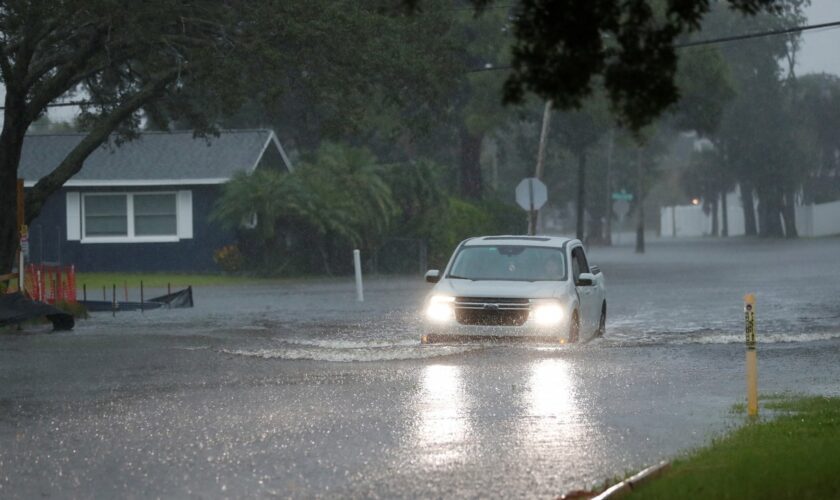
[[56, 86], [73, 162]]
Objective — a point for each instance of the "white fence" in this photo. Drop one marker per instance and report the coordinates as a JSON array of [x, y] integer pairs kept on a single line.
[[691, 221], [818, 220]]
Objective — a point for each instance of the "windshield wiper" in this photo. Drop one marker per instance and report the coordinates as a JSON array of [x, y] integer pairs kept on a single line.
[[453, 276]]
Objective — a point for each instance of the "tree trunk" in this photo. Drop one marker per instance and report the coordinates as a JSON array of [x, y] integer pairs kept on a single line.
[[715, 224], [750, 227], [469, 178], [640, 228], [581, 195], [8, 213], [11, 143], [789, 214], [769, 211], [608, 215], [724, 229], [640, 204]]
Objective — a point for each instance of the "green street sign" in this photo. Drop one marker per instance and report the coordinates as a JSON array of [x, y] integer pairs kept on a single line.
[[622, 196]]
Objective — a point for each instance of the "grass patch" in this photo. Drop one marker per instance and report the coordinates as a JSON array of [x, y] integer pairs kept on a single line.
[[794, 455]]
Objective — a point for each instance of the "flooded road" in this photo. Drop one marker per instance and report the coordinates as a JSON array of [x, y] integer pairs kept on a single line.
[[296, 390]]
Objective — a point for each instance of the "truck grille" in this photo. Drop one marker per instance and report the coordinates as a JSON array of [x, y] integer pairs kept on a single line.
[[492, 311]]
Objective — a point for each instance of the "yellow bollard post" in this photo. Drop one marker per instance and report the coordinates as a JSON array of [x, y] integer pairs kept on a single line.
[[752, 362]]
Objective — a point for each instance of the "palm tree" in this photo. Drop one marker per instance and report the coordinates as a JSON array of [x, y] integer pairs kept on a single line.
[[338, 199]]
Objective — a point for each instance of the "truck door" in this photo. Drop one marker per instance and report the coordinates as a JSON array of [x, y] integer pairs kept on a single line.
[[589, 308]]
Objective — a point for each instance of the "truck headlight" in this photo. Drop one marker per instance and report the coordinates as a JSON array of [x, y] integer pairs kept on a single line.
[[440, 308], [548, 314]]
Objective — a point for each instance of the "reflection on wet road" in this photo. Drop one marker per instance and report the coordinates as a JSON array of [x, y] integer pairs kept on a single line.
[[553, 415], [443, 419], [298, 391]]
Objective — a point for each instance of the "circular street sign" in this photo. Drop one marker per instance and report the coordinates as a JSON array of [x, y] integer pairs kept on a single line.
[[531, 193], [621, 208]]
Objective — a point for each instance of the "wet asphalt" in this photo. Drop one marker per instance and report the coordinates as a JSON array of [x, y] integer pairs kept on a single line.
[[295, 390]]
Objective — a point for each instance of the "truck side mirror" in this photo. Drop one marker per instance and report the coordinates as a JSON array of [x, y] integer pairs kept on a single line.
[[432, 276], [585, 279]]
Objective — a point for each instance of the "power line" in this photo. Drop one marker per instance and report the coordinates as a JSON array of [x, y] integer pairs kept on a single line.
[[760, 34], [714, 41]]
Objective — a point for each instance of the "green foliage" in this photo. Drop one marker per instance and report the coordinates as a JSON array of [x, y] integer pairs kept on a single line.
[[417, 188], [485, 42], [343, 69], [759, 138], [458, 219], [816, 105], [579, 130], [563, 47], [332, 67], [352, 198], [449, 224], [706, 87], [342, 198], [338, 197]]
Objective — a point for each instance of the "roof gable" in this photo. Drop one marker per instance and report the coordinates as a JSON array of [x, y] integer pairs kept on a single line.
[[154, 157]]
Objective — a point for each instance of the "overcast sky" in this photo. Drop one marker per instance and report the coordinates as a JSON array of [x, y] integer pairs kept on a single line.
[[820, 49]]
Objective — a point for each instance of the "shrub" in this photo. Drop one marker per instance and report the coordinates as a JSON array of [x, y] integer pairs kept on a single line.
[[458, 219], [229, 258]]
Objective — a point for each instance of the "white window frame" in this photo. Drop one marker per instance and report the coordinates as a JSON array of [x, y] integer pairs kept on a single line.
[[183, 226]]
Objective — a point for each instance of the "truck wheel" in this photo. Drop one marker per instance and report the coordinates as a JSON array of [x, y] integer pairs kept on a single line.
[[574, 328], [602, 324]]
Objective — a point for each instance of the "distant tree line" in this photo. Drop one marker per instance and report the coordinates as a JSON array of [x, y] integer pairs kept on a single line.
[[388, 93]]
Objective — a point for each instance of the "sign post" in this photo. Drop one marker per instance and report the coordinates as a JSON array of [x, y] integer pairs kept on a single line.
[[531, 195], [23, 233], [752, 362]]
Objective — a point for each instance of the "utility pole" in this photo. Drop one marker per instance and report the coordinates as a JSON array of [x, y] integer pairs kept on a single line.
[[532, 215], [608, 198]]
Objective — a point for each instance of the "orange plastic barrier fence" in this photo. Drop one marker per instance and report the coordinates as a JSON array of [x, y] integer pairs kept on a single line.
[[51, 284]]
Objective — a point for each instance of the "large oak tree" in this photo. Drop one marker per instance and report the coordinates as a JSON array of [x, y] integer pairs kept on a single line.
[[191, 63]]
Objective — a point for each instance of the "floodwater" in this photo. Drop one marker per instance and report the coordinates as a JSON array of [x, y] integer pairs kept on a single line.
[[296, 390]]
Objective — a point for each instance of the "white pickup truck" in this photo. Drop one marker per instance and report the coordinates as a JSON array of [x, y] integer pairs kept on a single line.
[[524, 287]]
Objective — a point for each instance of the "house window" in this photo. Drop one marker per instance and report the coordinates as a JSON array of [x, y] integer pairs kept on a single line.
[[106, 215], [131, 217], [155, 215]]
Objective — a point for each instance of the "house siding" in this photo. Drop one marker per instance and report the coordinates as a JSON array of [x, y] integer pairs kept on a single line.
[[48, 238]]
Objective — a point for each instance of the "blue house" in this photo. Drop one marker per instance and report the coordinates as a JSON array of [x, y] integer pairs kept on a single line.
[[143, 205]]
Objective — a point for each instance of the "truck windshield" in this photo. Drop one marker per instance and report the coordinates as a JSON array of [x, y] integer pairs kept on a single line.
[[509, 263]]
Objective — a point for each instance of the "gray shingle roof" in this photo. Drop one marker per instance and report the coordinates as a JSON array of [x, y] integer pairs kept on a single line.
[[154, 156]]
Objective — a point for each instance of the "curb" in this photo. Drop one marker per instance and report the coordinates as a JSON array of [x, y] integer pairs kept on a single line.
[[633, 482], [622, 488]]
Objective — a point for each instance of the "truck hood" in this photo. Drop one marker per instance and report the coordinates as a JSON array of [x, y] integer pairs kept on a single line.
[[512, 289]]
